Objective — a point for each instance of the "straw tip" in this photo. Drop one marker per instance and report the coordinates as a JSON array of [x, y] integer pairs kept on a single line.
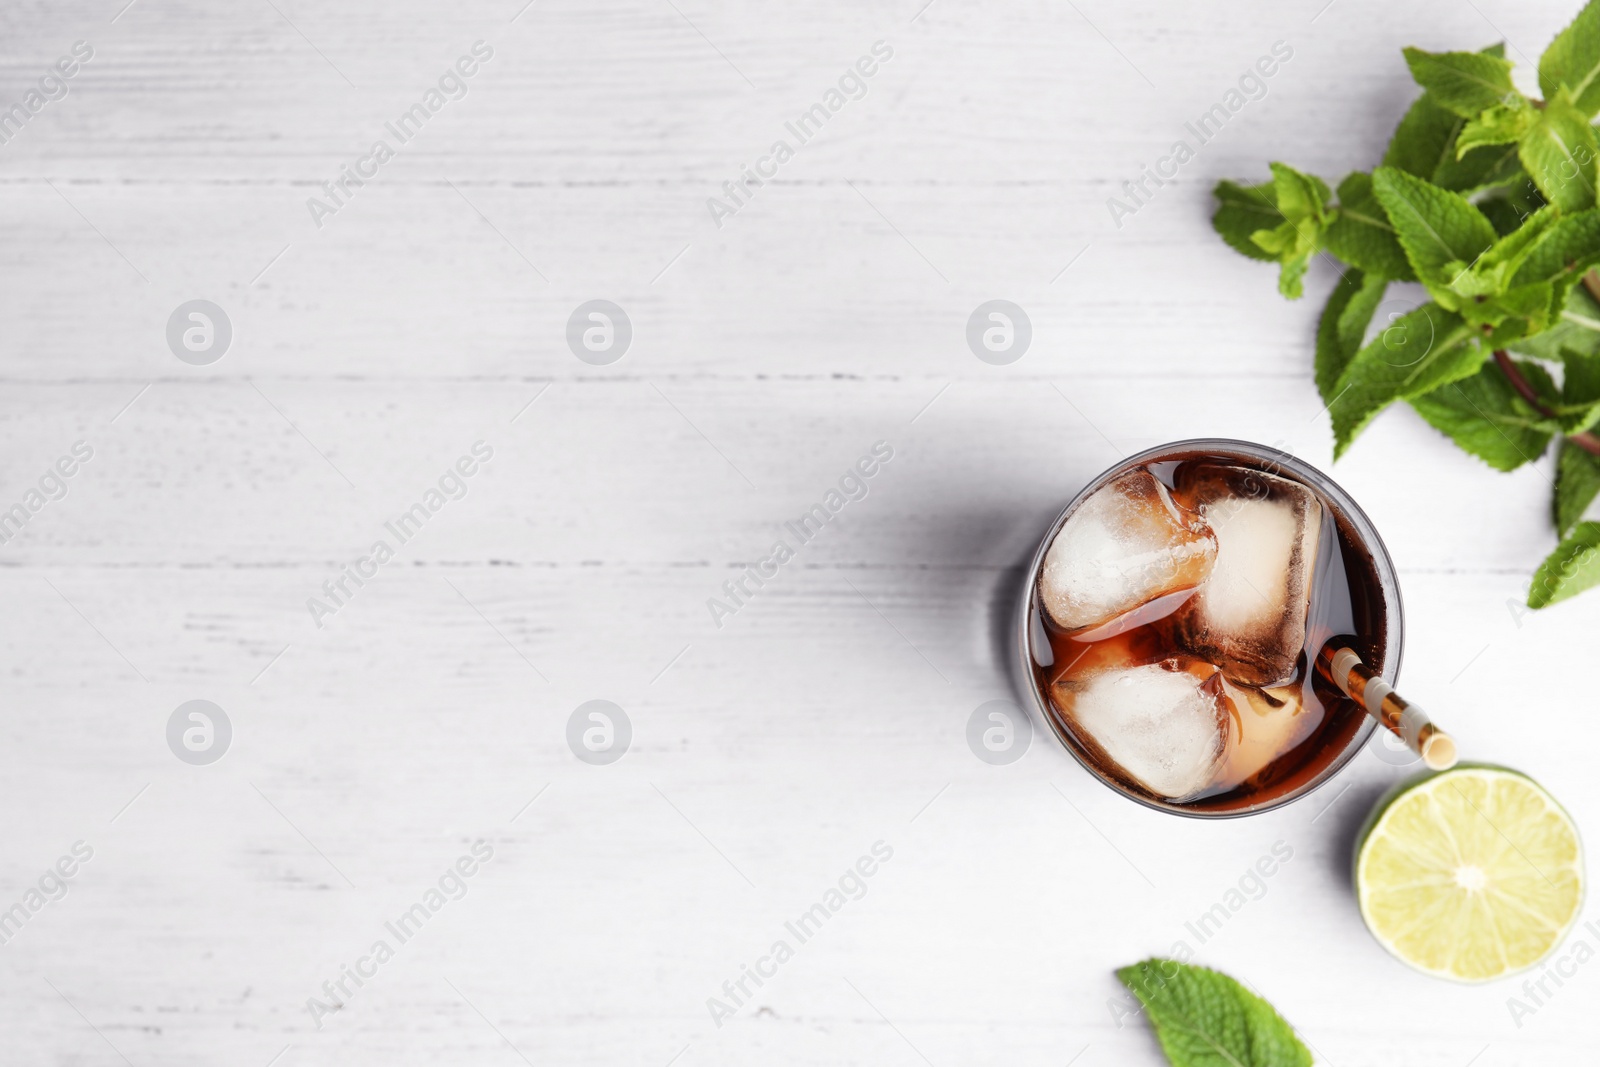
[[1439, 752]]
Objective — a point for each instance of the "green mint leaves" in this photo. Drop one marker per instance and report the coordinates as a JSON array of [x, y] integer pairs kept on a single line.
[[1343, 327], [1505, 124], [1573, 567], [1203, 1018], [1302, 202], [1577, 483], [1410, 356], [1558, 151], [1442, 233], [1360, 233], [1485, 416], [1573, 61], [1241, 211], [1467, 83], [1491, 200], [1424, 140]]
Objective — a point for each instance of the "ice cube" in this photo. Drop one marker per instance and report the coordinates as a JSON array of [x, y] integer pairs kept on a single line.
[[1126, 546], [1165, 725], [1249, 616], [1268, 723]]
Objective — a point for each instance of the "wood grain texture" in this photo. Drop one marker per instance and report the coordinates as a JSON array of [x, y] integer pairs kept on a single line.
[[769, 354]]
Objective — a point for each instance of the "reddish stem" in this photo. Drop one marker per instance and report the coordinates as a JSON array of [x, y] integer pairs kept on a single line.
[[1585, 440]]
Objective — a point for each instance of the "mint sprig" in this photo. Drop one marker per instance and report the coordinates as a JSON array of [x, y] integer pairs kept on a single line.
[[1302, 202], [1203, 1018], [1491, 200]]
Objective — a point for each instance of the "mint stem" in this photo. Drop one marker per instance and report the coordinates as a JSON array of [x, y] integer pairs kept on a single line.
[[1585, 440]]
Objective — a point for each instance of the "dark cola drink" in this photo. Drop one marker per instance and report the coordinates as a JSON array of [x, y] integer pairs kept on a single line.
[[1174, 616]]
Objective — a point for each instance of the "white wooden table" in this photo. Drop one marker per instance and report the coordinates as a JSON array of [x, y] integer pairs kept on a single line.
[[769, 754]]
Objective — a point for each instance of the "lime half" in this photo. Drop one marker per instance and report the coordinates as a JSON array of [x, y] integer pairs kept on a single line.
[[1471, 874]]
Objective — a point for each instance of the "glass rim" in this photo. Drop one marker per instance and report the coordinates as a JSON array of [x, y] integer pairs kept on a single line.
[[1388, 582]]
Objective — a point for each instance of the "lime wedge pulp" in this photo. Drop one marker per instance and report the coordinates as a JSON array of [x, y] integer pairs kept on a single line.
[[1471, 874]]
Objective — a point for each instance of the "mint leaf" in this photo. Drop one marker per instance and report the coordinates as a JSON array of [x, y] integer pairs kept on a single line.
[[1552, 266], [1502, 214], [1467, 83], [1565, 249], [1302, 200], [1299, 195], [1579, 409], [1442, 234], [1488, 418], [1558, 152], [1424, 144], [1343, 326], [1577, 328], [1577, 484], [1241, 211], [1511, 250], [1509, 317], [1573, 406], [1573, 61], [1203, 1018], [1573, 567], [1360, 233], [1581, 316], [1544, 386], [1501, 124], [1508, 204], [1492, 289], [1580, 379], [1489, 167], [1415, 354], [1425, 138]]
